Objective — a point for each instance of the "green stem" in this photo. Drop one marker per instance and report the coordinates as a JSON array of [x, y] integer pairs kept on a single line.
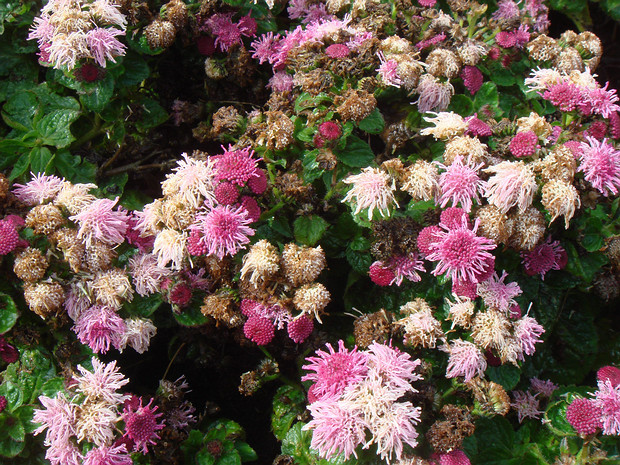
[[172, 360], [335, 188], [90, 135]]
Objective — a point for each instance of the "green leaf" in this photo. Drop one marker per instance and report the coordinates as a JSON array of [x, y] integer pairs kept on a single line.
[[190, 316], [25, 413], [144, 307], [8, 446], [96, 98], [505, 375], [19, 110], [54, 127], [373, 123], [20, 167], [356, 153], [135, 70], [288, 402], [72, 167], [503, 77], [203, 457], [296, 442], [555, 418], [312, 171], [230, 458], [51, 387], [152, 115], [306, 100], [40, 158], [12, 426], [461, 104], [306, 134], [359, 261], [487, 96], [309, 229], [8, 313], [246, 452], [496, 437]]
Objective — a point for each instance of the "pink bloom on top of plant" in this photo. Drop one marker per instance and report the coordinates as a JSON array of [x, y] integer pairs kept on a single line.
[[224, 230], [477, 127], [42, 30], [225, 31], [607, 398], [108, 455], [527, 331], [337, 51], [565, 96], [597, 130], [599, 161], [427, 3], [9, 237], [524, 144], [508, 11], [380, 274], [434, 94], [180, 295], [39, 189], [98, 327], [236, 166], [472, 78], [497, 294], [330, 130], [196, 246], [455, 457], [334, 371], [512, 184], [226, 193], [247, 25], [99, 222], [614, 125], [427, 237], [543, 387], [460, 183], [57, 416], [259, 330], [406, 267], [141, 423], [104, 45], [300, 328], [388, 71], [250, 205], [265, 47], [335, 429], [464, 288], [102, 382], [522, 35], [258, 184], [393, 367], [506, 39], [526, 405], [372, 189], [584, 415], [431, 41], [452, 217], [146, 274], [609, 373], [600, 101], [461, 253], [281, 81], [544, 257], [465, 359]]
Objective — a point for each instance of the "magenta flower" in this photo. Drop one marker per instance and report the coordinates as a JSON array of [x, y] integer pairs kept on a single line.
[[225, 31], [224, 230], [524, 144], [607, 398], [453, 217], [141, 423], [429, 236], [103, 44], [455, 457], [259, 330], [600, 101], [497, 294], [300, 328], [98, 327], [472, 78], [544, 257], [334, 371], [527, 331], [465, 359], [600, 164], [9, 237], [461, 253], [108, 455], [388, 71], [99, 222], [40, 189], [609, 373], [406, 267], [265, 47], [337, 51], [564, 95], [330, 130], [477, 127], [380, 274], [460, 183], [236, 166], [584, 415], [506, 39]]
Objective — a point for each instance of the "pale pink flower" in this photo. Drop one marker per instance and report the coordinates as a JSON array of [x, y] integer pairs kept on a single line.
[[192, 179], [465, 359], [265, 47], [526, 405], [335, 429], [137, 335], [146, 274], [394, 368], [334, 371], [98, 327], [57, 416], [42, 30], [527, 331], [434, 94], [600, 101], [64, 453], [600, 164], [388, 71], [141, 423], [281, 81], [40, 189], [512, 184], [497, 294], [108, 455], [372, 189], [461, 253], [460, 183], [393, 428], [77, 300], [607, 398], [543, 387], [170, 246], [507, 10], [108, 12], [102, 382], [99, 222], [224, 230], [103, 44]]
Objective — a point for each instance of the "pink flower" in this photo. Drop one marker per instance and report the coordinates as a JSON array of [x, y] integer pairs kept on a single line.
[[195, 245], [526, 405], [564, 95], [247, 25], [434, 95], [434, 40], [609, 373], [614, 125], [597, 129], [406, 267], [259, 330], [98, 327], [380, 274], [524, 144], [508, 11], [108, 455], [42, 30], [543, 258], [600, 163], [250, 205], [335, 429], [584, 415], [281, 81], [99, 222], [427, 237], [334, 371], [388, 71], [337, 51], [224, 230], [466, 360], [427, 3], [460, 183], [498, 295], [236, 166], [3, 403], [506, 39], [394, 368], [265, 47], [543, 387], [40, 189], [472, 78], [103, 44], [226, 193], [330, 130], [477, 127], [141, 424], [146, 274], [372, 189], [9, 237], [512, 184], [258, 184], [226, 33], [455, 457], [58, 417], [300, 328], [464, 288], [607, 399], [101, 383], [527, 331], [453, 217], [600, 101]]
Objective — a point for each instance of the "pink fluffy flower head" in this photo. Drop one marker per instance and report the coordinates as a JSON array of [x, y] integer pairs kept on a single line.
[[380, 274], [465, 359], [372, 189], [236, 166], [455, 457], [497, 294], [104, 45], [506, 39], [543, 387], [524, 144], [281, 81], [224, 230], [330, 130], [547, 256], [108, 455], [226, 193], [99, 221], [259, 330], [9, 237], [334, 371], [600, 164], [600, 101], [526, 405], [98, 327], [337, 51], [607, 399], [460, 183], [507, 10], [609, 373], [461, 253], [102, 383], [564, 95], [472, 78], [141, 423], [584, 415], [528, 331], [396, 369], [300, 328], [388, 71], [40, 189]]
